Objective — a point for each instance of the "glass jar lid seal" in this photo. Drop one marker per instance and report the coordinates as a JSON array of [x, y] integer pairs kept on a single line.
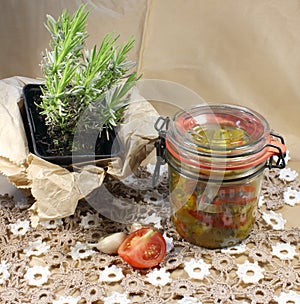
[[221, 136], [219, 129]]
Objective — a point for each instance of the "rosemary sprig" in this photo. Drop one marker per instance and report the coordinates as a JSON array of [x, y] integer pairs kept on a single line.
[[75, 77]]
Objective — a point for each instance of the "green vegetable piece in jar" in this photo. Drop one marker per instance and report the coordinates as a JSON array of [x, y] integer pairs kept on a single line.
[[222, 137], [227, 137]]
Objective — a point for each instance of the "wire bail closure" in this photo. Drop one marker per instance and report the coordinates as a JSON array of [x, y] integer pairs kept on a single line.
[[161, 126], [280, 163]]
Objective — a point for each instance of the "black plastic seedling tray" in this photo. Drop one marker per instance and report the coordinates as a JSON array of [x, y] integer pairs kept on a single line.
[[105, 147]]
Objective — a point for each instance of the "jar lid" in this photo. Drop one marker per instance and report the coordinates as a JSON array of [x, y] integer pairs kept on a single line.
[[222, 137]]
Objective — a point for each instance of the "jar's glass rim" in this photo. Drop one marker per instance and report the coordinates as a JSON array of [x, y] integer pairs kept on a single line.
[[250, 128]]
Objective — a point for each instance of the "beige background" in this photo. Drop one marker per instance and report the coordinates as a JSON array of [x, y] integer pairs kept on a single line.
[[24, 36], [227, 51], [243, 52]]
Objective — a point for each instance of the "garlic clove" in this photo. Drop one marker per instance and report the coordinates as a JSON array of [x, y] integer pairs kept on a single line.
[[110, 244]]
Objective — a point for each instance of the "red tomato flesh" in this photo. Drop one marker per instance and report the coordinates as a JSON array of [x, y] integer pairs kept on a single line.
[[143, 248]]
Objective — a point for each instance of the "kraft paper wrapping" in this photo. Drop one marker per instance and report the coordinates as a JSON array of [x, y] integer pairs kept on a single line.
[[55, 189]]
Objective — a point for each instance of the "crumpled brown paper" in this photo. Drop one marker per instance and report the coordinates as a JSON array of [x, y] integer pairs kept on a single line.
[[55, 189]]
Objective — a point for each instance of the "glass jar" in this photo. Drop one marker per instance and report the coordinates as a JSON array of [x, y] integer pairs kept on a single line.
[[216, 156]]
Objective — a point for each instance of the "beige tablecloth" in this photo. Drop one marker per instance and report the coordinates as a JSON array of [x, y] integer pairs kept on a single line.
[[52, 263]]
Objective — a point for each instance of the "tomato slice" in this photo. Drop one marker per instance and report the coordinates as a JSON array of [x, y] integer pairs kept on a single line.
[[143, 248]]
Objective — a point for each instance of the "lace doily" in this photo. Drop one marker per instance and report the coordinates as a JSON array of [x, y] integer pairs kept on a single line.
[[53, 264]]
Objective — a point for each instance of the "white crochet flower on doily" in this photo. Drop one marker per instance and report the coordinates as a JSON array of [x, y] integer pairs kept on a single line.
[[36, 248], [197, 269], [250, 272], [4, 273], [51, 224], [20, 227], [236, 249], [89, 221], [66, 300], [37, 275], [291, 196], [152, 219], [158, 277], [111, 274], [169, 242], [284, 251], [288, 175], [188, 300], [288, 297], [116, 297], [81, 251], [261, 201], [275, 220]]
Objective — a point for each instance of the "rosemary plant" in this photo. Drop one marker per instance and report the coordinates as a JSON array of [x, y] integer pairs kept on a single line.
[[79, 80]]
